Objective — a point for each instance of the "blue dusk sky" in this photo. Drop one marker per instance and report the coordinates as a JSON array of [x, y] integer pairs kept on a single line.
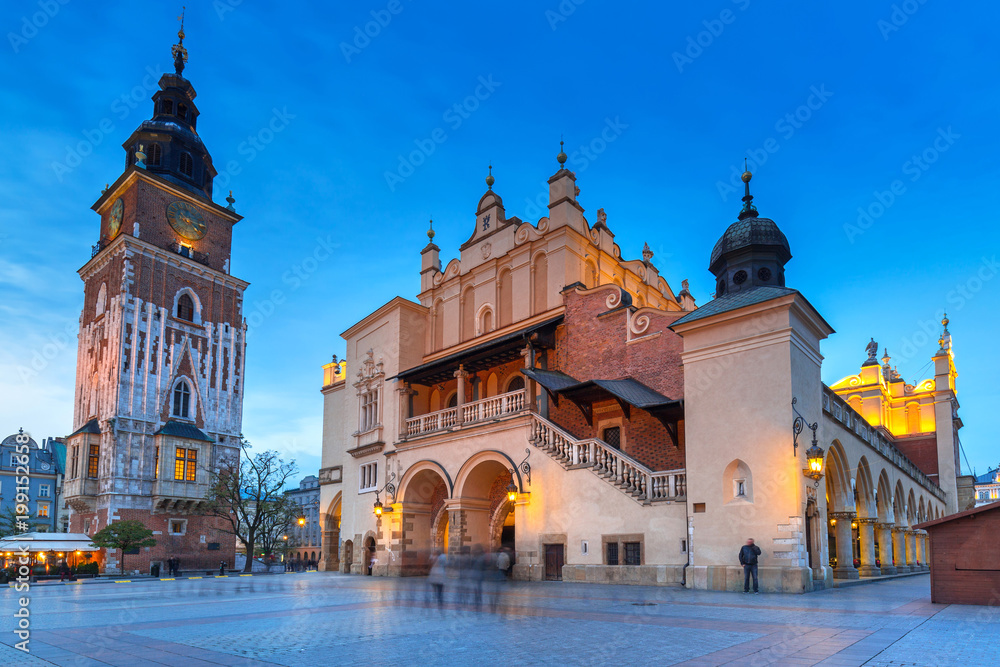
[[343, 127]]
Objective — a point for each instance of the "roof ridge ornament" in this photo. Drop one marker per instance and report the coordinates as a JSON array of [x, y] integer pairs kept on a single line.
[[178, 51], [430, 232], [749, 210], [562, 155], [489, 179]]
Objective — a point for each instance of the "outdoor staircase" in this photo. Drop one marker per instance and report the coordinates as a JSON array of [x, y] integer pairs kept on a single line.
[[618, 469]]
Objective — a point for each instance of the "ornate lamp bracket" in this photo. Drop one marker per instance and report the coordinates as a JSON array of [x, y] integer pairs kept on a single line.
[[797, 425], [523, 466]]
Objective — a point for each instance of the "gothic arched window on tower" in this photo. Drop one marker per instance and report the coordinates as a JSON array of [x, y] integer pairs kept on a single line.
[[185, 308], [154, 155], [182, 400], [182, 111], [187, 164], [167, 107]]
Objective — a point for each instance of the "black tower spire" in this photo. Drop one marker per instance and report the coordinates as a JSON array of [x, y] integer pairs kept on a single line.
[[168, 144]]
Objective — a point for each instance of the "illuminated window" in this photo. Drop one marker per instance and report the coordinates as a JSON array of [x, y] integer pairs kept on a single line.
[[43, 509], [185, 464], [156, 464], [177, 526], [368, 477], [182, 399], [95, 451]]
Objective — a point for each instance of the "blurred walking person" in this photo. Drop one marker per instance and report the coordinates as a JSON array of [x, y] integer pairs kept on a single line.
[[437, 577]]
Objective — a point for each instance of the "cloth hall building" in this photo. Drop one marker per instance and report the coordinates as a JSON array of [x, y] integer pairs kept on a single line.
[[547, 395]]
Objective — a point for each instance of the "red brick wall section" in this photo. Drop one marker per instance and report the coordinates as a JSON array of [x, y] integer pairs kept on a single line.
[[146, 204], [922, 450], [192, 552], [591, 344]]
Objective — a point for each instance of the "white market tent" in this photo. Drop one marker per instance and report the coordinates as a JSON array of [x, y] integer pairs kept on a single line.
[[45, 542]]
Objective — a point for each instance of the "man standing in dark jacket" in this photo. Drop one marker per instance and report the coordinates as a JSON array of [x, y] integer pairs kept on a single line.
[[748, 559]]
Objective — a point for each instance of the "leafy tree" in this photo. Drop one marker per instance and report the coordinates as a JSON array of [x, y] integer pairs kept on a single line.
[[10, 525], [124, 536], [248, 492]]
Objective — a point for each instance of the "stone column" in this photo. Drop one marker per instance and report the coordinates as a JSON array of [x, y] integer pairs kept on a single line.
[[925, 556], [866, 536], [885, 549], [529, 384], [899, 549], [845, 546], [911, 550], [460, 375], [405, 392]]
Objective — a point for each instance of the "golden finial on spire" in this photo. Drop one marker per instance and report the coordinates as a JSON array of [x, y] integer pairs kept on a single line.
[[178, 51], [749, 210], [562, 155], [489, 178], [430, 232]]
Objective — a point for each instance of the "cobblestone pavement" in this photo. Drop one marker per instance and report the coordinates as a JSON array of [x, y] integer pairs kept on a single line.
[[316, 618]]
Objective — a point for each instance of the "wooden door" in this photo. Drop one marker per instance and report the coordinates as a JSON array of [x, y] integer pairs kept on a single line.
[[554, 561]]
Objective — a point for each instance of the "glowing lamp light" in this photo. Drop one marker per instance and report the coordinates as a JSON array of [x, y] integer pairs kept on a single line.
[[854, 525], [511, 492], [833, 522], [60, 555], [302, 521], [379, 508], [814, 459], [284, 537]]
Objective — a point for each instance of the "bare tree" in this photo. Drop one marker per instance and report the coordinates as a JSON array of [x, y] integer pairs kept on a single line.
[[248, 492]]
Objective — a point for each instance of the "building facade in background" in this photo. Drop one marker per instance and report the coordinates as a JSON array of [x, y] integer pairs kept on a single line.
[[307, 539], [546, 395], [159, 386], [988, 487], [44, 464]]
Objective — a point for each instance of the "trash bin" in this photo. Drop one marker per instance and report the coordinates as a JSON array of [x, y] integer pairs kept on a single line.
[[154, 569]]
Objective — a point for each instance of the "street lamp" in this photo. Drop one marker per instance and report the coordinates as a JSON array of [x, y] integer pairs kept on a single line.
[[511, 491], [302, 521], [390, 489], [815, 453]]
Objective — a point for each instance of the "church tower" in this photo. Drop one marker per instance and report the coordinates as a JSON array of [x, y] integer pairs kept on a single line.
[[159, 381]]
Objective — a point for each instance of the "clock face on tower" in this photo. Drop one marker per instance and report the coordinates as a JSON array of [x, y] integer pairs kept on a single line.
[[186, 220], [115, 223]]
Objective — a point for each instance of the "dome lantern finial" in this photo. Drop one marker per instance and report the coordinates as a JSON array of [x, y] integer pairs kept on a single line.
[[430, 232], [489, 179], [562, 155], [749, 210], [178, 51]]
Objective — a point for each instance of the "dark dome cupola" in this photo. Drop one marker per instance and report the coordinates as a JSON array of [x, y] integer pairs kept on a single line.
[[168, 144], [752, 252]]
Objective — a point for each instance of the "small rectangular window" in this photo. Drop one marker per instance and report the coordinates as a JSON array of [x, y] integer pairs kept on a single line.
[[611, 553], [92, 460], [368, 477], [43, 509], [699, 508], [613, 436], [633, 553], [741, 487], [43, 490]]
